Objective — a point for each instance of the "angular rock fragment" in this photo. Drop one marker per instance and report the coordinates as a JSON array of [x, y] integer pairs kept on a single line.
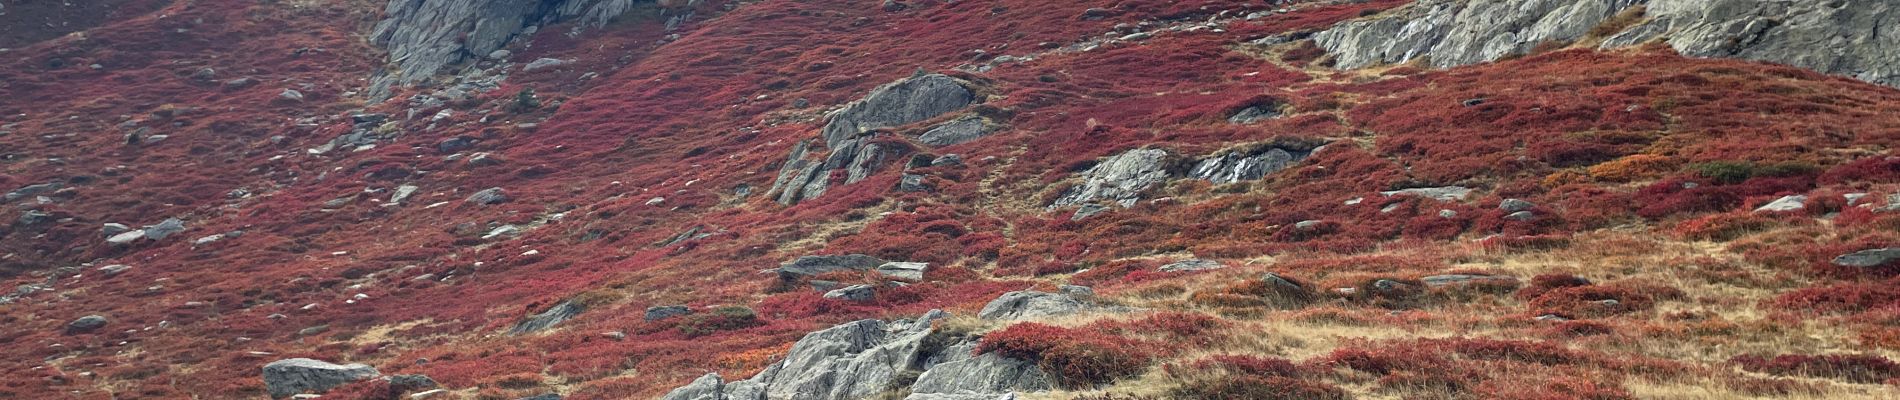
[[284, 378], [547, 319], [906, 101]]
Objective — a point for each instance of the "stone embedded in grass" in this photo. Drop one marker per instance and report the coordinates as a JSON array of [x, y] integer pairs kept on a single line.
[[656, 313], [1784, 204], [1869, 258], [1466, 279], [164, 229], [816, 265], [858, 293], [86, 324], [912, 271], [1192, 265], [1515, 205], [114, 270], [902, 102], [489, 196], [547, 319], [957, 131], [288, 377], [1442, 193], [1029, 304]]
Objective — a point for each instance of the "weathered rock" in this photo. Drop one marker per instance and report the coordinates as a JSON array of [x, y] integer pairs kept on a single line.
[[912, 183], [542, 63], [708, 387], [1466, 279], [290, 95], [124, 238], [425, 37], [1515, 205], [800, 178], [1443, 193], [1120, 178], [1238, 166], [1785, 203], [1080, 293], [1837, 37], [164, 229], [1521, 216], [402, 193], [906, 101], [114, 270], [86, 324], [656, 313], [1031, 305], [488, 196], [853, 293], [947, 159], [1869, 258], [957, 131], [1192, 265], [33, 190], [411, 382], [112, 229], [850, 361], [815, 265], [547, 319], [1087, 210], [1255, 113], [287, 377], [988, 376], [911, 271]]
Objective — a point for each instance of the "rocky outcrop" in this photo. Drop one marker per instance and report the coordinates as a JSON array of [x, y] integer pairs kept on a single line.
[[1192, 265], [851, 361], [426, 37], [978, 376], [806, 174], [1120, 178], [1835, 37], [284, 378], [914, 99], [1247, 164]]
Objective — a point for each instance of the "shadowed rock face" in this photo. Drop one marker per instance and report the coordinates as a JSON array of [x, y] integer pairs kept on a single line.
[[426, 36], [1836, 37]]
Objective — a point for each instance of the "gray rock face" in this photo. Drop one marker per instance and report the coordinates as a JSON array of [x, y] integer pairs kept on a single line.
[[656, 313], [815, 265], [957, 131], [546, 319], [543, 63], [1120, 178], [425, 37], [1785, 203], [912, 183], [851, 361], [800, 178], [911, 271], [1515, 205], [288, 377], [906, 101], [1031, 305], [1869, 258], [1254, 114], [86, 324], [986, 376], [1192, 265], [858, 293], [1835, 37], [1444, 193], [1242, 166]]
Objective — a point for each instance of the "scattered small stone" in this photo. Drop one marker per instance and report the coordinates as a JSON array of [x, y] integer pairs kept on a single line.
[[502, 231], [544, 63], [164, 229], [290, 95], [124, 238], [912, 183], [205, 74], [1447, 214], [1515, 205], [484, 159], [1521, 216], [1474, 102], [402, 193], [1785, 203], [1552, 318], [500, 55], [1307, 225], [615, 335], [1192, 265], [239, 83], [110, 229], [114, 270]]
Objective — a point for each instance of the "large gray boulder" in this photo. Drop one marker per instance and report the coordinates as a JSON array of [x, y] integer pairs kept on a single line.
[[1835, 37], [913, 99], [284, 378], [1120, 178], [815, 265], [911, 271], [1869, 258], [1029, 304], [86, 324]]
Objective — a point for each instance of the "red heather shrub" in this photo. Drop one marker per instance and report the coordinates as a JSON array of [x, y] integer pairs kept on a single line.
[[1575, 329], [1258, 387], [720, 319], [1258, 293], [1592, 301], [1073, 358], [1841, 298], [1508, 350], [1724, 226], [1555, 388], [1247, 365], [1547, 282], [1877, 169], [1511, 244], [1847, 367]]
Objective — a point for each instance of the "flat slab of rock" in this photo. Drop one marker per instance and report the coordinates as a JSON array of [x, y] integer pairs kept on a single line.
[[284, 378], [1869, 258], [911, 271], [1030, 305], [815, 265], [86, 324], [1192, 265], [1784, 204], [1443, 193]]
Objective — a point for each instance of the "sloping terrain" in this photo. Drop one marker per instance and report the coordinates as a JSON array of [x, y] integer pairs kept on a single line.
[[1192, 199]]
